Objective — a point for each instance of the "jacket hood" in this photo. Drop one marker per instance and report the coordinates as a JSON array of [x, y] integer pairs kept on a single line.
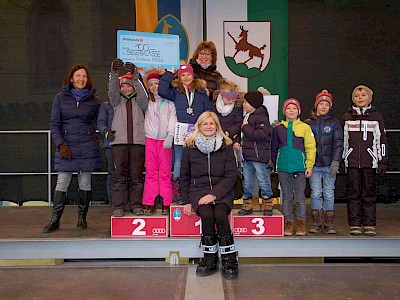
[[313, 115], [354, 110]]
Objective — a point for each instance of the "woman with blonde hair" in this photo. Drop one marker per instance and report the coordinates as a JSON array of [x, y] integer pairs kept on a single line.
[[208, 175]]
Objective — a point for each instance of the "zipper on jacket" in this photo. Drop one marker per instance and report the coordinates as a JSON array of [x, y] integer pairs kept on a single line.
[[255, 148], [209, 170]]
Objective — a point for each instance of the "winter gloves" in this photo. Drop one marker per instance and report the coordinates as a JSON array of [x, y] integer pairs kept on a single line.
[[168, 142], [334, 168], [109, 135], [382, 169], [117, 64], [64, 151]]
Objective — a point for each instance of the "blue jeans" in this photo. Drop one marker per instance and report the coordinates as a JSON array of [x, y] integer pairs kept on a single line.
[[321, 183], [263, 174], [178, 149], [293, 185]]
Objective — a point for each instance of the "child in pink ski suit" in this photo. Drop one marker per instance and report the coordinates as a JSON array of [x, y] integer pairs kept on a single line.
[[159, 127]]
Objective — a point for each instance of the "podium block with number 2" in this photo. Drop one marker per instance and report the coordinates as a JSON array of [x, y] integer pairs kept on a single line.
[[139, 227]]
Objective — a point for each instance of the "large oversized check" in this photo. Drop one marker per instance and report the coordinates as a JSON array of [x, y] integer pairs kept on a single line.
[[148, 50]]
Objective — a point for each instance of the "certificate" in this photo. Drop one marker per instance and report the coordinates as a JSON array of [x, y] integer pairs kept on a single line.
[[182, 132], [148, 50]]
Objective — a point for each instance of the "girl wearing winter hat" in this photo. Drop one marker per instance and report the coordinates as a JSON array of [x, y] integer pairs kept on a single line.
[[159, 126], [191, 100]]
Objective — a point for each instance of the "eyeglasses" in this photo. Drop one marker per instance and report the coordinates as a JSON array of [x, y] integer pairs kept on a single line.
[[205, 53]]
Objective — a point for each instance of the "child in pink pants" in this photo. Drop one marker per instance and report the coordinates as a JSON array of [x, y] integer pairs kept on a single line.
[[159, 126]]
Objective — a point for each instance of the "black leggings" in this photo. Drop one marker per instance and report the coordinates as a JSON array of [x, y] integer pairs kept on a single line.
[[214, 214]]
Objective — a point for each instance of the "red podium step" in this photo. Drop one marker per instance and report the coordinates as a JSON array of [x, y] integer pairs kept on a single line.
[[139, 226], [258, 225]]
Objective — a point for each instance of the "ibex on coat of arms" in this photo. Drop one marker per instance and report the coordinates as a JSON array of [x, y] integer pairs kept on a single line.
[[244, 45]]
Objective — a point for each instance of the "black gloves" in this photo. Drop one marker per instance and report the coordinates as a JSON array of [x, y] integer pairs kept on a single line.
[[64, 151], [117, 64], [382, 169], [342, 168], [109, 135], [130, 67]]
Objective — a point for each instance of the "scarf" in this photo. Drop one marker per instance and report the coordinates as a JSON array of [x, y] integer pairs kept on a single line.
[[203, 66], [208, 144], [222, 108], [79, 94]]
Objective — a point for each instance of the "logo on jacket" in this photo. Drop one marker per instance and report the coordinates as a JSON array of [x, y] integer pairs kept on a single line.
[[177, 214], [327, 129], [247, 47]]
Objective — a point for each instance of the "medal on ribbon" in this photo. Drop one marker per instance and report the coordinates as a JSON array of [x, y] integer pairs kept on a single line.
[[190, 98]]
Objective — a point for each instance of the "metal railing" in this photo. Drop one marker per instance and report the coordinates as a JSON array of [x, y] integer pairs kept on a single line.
[[49, 155]]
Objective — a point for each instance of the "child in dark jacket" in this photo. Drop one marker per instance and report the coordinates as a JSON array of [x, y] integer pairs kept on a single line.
[[293, 153], [365, 153], [104, 124], [328, 134], [190, 100], [256, 149]]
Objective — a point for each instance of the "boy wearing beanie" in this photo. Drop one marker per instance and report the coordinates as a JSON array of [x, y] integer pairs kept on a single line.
[[328, 134], [365, 153], [129, 100], [256, 148], [293, 153]]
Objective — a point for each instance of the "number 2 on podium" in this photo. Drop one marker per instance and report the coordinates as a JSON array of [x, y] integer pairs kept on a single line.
[[138, 230]]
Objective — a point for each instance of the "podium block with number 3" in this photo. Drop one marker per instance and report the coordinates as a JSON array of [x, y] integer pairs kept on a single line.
[[139, 227], [251, 226]]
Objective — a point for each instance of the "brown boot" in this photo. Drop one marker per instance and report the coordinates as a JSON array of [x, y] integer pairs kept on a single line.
[[267, 206], [329, 220], [247, 207], [256, 204], [288, 228], [316, 221], [301, 227]]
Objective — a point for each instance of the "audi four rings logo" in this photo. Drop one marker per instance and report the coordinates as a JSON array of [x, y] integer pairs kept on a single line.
[[157, 231], [239, 230]]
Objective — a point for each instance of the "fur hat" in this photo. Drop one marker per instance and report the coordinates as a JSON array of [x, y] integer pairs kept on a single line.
[[151, 77], [291, 101], [127, 78], [324, 95], [254, 98], [185, 69], [367, 89]]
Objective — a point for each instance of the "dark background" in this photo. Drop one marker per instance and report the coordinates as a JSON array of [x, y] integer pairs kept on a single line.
[[335, 45]]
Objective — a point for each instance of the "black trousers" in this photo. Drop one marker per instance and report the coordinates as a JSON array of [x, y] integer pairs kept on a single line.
[[128, 178], [214, 214], [361, 197]]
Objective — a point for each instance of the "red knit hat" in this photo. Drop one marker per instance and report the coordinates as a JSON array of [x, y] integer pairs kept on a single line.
[[127, 78], [151, 77], [292, 101], [323, 96], [185, 69]]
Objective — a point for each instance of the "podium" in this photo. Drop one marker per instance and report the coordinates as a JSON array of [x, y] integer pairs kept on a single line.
[[177, 224]]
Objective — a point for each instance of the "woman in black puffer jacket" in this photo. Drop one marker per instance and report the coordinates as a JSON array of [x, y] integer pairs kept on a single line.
[[208, 175]]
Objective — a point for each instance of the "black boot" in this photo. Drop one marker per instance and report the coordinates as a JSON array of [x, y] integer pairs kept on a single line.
[[228, 257], [83, 205], [58, 208], [209, 264]]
